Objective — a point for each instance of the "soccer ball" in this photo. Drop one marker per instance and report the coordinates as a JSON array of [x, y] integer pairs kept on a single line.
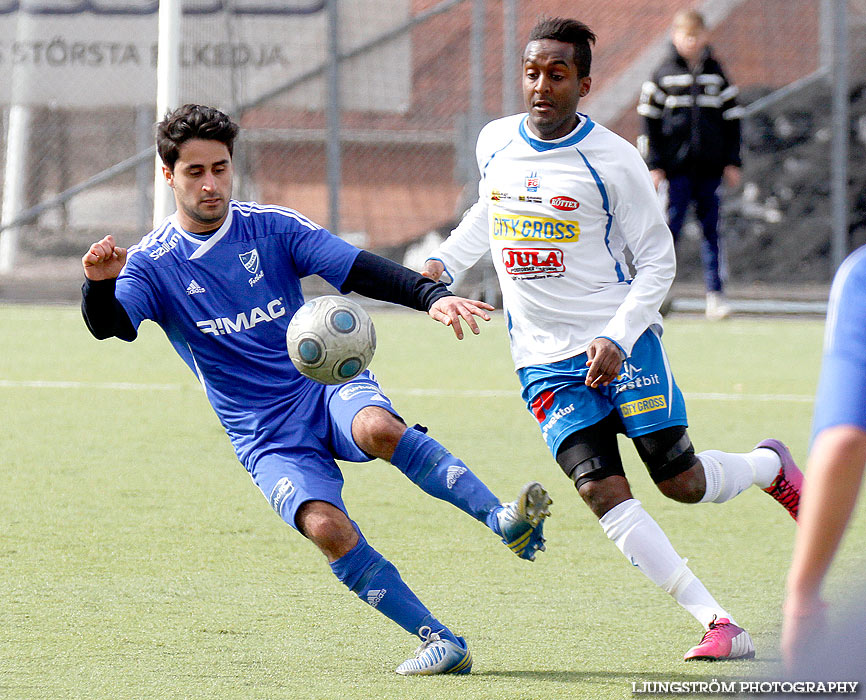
[[331, 339]]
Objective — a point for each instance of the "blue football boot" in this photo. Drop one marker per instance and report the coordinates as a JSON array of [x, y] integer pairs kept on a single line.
[[521, 522]]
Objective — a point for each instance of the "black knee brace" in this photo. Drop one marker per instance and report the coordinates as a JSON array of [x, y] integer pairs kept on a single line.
[[592, 453], [666, 452]]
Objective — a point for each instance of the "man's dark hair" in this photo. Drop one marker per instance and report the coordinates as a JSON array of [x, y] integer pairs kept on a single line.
[[192, 122], [568, 31]]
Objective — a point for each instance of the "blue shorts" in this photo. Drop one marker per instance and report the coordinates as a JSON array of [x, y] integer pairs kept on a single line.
[[644, 394], [298, 464]]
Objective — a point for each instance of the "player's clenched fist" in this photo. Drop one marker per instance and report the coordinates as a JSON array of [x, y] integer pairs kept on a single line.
[[104, 260]]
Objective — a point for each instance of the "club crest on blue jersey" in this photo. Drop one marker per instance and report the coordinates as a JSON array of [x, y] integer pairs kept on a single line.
[[250, 261]]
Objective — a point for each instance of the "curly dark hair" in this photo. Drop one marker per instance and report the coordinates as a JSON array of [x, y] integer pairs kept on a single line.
[[568, 31], [192, 122]]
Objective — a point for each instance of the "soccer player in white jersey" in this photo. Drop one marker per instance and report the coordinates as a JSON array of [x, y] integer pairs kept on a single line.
[[222, 278], [561, 201]]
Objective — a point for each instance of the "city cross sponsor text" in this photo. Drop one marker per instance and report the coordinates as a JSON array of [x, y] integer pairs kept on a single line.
[[650, 403], [513, 227]]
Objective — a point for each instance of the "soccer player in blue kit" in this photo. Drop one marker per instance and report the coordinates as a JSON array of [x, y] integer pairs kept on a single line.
[[584, 259], [223, 279], [837, 458]]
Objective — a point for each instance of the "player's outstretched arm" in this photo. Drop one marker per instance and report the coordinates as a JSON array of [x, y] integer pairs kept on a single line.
[[379, 278], [449, 310], [104, 260]]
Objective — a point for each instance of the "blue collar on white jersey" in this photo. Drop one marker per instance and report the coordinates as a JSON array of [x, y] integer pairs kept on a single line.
[[574, 137]]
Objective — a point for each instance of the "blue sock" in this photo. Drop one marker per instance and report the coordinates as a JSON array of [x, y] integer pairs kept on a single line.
[[377, 582], [437, 472]]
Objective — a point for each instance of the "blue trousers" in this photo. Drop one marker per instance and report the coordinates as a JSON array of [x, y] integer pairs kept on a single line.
[[703, 191]]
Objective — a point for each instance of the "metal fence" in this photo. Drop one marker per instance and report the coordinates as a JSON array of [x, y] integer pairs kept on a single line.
[[362, 114]]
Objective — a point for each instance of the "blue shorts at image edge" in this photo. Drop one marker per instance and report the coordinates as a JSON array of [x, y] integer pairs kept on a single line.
[[644, 394], [290, 474]]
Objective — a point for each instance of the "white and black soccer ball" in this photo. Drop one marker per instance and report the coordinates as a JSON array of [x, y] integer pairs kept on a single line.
[[331, 339]]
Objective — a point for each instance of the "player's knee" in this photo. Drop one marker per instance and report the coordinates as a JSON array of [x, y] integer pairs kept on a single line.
[[670, 458], [327, 527], [586, 465], [377, 431], [590, 458], [603, 494], [686, 487], [598, 479]]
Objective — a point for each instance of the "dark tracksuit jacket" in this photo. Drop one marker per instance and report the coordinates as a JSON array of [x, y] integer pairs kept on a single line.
[[691, 119]]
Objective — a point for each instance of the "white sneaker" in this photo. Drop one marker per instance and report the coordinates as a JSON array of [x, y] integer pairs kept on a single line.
[[437, 656], [717, 306]]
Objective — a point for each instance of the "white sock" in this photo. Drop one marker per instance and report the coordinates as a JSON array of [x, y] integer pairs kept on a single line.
[[766, 463], [729, 474], [646, 546]]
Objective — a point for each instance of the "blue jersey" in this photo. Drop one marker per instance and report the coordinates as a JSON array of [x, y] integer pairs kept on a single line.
[[225, 302], [841, 398]]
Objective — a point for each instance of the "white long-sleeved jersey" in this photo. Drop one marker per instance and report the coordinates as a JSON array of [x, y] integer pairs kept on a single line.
[[560, 218]]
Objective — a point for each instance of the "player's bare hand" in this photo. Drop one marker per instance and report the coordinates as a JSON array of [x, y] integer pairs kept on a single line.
[[449, 310], [104, 260], [605, 362], [433, 269]]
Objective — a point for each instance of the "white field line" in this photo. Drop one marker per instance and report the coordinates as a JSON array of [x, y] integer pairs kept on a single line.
[[442, 393], [786, 398], [117, 386]]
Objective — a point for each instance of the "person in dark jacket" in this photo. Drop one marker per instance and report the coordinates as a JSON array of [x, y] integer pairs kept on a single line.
[[691, 138]]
